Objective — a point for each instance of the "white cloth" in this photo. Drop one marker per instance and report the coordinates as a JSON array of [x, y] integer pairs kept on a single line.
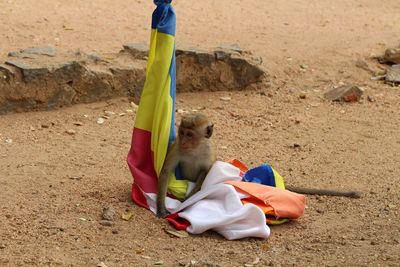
[[217, 207]]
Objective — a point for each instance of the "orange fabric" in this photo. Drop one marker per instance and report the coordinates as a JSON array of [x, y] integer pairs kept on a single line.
[[237, 163], [286, 204], [268, 210]]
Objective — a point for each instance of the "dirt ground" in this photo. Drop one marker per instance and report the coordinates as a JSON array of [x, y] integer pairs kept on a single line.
[[54, 184]]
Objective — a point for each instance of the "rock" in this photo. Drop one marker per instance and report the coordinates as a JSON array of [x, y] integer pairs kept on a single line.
[[392, 55], [14, 54], [234, 47], [221, 55], [108, 213], [6, 74], [200, 70], [44, 50], [139, 51], [362, 64], [45, 83], [70, 132], [30, 73], [393, 74], [348, 93], [106, 223], [30, 56]]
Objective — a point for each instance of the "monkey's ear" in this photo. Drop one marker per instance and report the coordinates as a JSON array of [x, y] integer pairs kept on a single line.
[[209, 130]]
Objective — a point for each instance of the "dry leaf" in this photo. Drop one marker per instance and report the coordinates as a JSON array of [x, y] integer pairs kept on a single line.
[[180, 234], [126, 216], [139, 251], [134, 106]]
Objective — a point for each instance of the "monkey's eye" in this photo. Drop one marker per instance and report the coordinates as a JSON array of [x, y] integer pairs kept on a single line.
[[189, 134]]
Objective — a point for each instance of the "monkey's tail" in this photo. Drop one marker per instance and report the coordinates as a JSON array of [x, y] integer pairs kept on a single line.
[[309, 191]]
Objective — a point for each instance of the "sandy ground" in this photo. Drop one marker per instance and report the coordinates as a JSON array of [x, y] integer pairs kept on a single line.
[[54, 185]]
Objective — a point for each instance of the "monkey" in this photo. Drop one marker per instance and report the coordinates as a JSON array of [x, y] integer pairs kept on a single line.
[[192, 151], [323, 192]]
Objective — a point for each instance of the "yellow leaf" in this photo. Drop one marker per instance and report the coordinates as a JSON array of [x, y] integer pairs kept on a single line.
[[180, 234], [126, 216]]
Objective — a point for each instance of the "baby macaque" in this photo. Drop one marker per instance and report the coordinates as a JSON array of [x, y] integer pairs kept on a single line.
[[192, 151]]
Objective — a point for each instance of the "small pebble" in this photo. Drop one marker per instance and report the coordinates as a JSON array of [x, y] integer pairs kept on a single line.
[[70, 132], [108, 213], [109, 112], [106, 223]]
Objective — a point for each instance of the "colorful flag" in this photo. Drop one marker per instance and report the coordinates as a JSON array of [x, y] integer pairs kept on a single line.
[[154, 128]]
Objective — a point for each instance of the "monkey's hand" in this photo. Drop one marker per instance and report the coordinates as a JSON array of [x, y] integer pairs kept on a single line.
[[162, 213]]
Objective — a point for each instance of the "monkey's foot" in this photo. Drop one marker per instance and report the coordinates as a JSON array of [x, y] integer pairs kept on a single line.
[[162, 213]]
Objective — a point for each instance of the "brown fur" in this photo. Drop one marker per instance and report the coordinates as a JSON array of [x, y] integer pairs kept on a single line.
[[192, 151]]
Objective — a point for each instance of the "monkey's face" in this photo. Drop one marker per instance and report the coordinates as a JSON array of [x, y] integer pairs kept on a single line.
[[188, 140]]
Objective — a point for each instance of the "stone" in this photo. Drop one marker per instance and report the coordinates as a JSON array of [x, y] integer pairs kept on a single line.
[[70, 132], [19, 63], [139, 51], [30, 73], [30, 56], [393, 74], [28, 84], [130, 80], [392, 55], [64, 96], [106, 223], [44, 50], [221, 55], [362, 64], [348, 93], [234, 47], [14, 54], [108, 213]]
